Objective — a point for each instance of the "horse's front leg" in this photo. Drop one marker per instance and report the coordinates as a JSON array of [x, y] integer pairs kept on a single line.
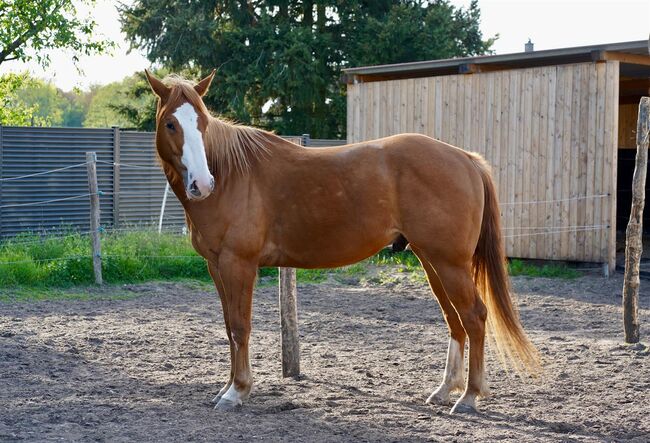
[[214, 273], [237, 276]]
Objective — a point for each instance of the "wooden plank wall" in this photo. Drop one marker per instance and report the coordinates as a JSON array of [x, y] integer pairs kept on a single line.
[[627, 117], [550, 134]]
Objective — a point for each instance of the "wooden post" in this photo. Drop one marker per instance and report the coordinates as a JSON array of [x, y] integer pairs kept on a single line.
[[93, 189], [633, 234], [289, 323]]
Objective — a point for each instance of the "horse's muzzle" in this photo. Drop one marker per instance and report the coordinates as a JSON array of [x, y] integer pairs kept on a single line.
[[196, 192]]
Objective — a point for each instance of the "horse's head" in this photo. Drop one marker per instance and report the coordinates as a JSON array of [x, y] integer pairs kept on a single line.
[[181, 122]]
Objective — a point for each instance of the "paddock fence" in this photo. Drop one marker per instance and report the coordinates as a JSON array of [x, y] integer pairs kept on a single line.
[[44, 184]]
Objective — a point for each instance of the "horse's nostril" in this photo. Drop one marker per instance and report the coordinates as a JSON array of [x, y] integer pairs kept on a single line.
[[194, 190]]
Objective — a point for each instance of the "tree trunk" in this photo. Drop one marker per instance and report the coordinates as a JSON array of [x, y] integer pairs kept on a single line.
[[634, 232]]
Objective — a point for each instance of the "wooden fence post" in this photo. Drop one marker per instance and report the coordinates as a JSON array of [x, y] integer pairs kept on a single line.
[[634, 231], [289, 323], [91, 159]]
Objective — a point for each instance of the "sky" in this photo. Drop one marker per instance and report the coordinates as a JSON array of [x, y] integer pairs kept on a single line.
[[549, 24]]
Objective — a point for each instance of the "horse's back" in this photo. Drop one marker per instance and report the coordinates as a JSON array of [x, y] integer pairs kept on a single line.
[[348, 201]]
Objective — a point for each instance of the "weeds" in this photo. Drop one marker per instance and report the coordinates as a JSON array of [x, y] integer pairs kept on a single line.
[[130, 257]]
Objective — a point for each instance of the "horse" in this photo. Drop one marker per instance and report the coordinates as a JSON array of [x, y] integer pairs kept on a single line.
[[253, 199]]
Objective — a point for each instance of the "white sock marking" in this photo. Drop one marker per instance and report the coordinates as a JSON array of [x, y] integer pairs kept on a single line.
[[454, 367], [232, 395]]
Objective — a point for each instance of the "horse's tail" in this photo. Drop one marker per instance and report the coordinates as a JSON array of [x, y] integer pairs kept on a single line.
[[490, 274]]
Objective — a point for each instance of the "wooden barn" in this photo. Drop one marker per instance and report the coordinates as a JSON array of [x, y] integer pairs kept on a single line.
[[558, 127]]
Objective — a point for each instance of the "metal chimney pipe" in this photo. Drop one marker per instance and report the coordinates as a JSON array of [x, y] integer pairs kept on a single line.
[[529, 47]]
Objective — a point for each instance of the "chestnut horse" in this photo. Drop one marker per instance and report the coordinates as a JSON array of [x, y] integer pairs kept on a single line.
[[253, 199]]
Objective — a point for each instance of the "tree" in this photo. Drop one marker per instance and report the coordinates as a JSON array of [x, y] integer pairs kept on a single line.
[[76, 107], [28, 28], [28, 101], [287, 55], [13, 111], [101, 113], [46, 101], [135, 103]]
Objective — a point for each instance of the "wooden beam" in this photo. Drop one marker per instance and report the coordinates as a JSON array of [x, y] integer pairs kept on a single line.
[[475, 68], [636, 84], [469, 68], [623, 57]]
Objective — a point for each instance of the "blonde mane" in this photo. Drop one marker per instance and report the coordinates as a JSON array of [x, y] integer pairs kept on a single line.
[[230, 148]]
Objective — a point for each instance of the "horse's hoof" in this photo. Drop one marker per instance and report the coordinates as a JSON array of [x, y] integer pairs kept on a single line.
[[463, 408], [227, 405], [438, 399], [221, 393]]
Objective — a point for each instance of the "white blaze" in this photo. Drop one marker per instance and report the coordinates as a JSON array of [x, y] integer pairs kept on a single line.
[[193, 157]]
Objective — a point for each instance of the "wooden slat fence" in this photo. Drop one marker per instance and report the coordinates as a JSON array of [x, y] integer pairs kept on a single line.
[[550, 134]]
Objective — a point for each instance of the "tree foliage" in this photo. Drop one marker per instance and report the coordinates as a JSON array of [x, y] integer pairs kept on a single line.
[[13, 111], [287, 55], [27, 101], [135, 104], [101, 112], [28, 28]]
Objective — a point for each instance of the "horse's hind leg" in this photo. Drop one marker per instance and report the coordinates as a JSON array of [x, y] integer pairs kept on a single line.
[[454, 376], [463, 295]]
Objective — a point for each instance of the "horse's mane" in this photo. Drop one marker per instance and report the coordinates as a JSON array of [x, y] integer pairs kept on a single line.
[[230, 147]]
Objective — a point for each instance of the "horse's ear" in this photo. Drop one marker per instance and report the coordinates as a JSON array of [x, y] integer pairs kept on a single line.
[[202, 87], [158, 87]]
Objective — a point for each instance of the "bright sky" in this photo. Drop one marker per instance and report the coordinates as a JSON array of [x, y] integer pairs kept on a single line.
[[549, 24]]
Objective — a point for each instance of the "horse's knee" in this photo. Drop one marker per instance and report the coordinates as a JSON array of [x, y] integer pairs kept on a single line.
[[240, 333]]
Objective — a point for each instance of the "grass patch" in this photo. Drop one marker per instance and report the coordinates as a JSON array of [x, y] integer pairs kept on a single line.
[[32, 261], [128, 257], [81, 293], [518, 267]]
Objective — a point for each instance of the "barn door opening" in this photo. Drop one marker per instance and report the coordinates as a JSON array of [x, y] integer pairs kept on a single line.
[[627, 121]]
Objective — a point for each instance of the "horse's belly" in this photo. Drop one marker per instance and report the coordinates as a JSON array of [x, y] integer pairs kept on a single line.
[[325, 245]]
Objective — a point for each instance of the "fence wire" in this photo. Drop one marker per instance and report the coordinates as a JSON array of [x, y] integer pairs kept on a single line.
[[36, 174], [509, 232], [534, 202], [45, 202], [128, 165]]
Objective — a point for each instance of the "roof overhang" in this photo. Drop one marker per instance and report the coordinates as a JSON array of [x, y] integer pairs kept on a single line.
[[633, 56]]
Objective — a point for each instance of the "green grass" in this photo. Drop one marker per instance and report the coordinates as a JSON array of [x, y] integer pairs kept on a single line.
[[518, 267], [31, 261], [127, 257]]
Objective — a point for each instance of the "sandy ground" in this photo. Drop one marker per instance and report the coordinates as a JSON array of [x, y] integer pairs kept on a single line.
[[145, 369]]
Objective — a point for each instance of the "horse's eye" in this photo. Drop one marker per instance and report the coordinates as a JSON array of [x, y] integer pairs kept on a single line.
[[170, 126]]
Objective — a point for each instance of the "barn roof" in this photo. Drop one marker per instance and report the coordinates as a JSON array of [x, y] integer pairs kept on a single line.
[[634, 57]]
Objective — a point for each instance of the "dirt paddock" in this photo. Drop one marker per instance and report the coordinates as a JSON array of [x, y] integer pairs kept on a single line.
[[145, 368]]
